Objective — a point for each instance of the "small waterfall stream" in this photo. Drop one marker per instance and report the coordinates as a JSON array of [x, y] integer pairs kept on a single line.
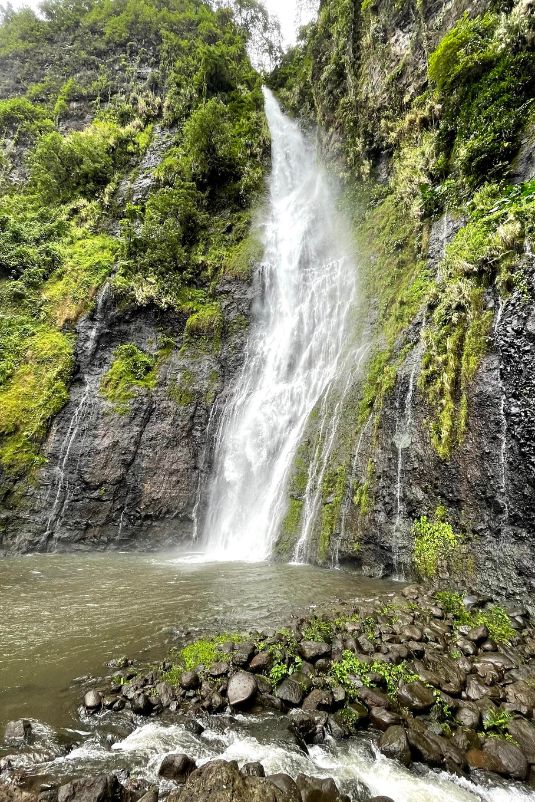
[[297, 349], [78, 424], [503, 419], [402, 440]]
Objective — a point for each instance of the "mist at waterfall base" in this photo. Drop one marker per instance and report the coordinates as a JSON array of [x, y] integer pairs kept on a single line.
[[299, 350]]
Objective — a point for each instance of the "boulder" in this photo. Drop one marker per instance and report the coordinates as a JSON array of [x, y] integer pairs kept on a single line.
[[261, 661], [373, 697], [521, 697], [219, 669], [416, 696], [478, 634], [241, 688], [394, 744], [141, 704], [425, 745], [289, 691], [382, 719], [219, 781], [93, 700], [244, 652], [507, 758], [165, 693], [189, 680], [286, 785], [18, 732], [314, 789], [523, 733], [411, 633], [105, 788], [176, 766], [304, 724], [312, 650], [318, 699], [468, 715]]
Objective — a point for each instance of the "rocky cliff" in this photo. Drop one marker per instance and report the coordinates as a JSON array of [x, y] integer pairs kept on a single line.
[[425, 110], [133, 154]]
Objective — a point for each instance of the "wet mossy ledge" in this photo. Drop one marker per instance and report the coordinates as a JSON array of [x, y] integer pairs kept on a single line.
[[433, 676]]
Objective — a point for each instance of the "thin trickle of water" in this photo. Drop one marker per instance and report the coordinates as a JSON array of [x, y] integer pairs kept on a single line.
[[329, 418], [503, 420], [402, 440], [348, 498], [61, 483], [296, 349]]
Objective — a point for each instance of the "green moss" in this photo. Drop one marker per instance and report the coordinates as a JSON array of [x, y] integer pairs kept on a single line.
[[464, 52], [290, 529], [435, 544], [239, 260], [132, 370], [482, 253], [182, 391], [202, 652], [86, 262], [35, 391], [486, 80], [333, 490], [361, 497], [206, 323]]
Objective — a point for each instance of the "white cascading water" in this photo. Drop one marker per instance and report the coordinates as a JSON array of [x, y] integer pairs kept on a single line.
[[298, 341]]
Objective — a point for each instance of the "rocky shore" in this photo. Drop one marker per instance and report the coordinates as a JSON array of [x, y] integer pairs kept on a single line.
[[435, 678]]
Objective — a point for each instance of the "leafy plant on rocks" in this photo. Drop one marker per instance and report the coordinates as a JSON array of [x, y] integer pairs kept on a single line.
[[495, 722], [318, 629], [349, 668], [435, 544], [494, 618]]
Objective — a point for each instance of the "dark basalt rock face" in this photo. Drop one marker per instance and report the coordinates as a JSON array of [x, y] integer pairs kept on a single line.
[[114, 480], [500, 443]]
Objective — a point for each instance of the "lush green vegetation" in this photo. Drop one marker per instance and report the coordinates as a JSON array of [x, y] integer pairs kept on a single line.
[[435, 546], [96, 84], [495, 618], [131, 370], [202, 652], [349, 668]]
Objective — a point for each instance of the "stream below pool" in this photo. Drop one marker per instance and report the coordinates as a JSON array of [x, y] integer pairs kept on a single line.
[[64, 616]]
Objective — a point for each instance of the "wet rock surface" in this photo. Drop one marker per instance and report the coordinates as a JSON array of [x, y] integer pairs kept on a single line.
[[421, 701], [111, 480], [422, 697]]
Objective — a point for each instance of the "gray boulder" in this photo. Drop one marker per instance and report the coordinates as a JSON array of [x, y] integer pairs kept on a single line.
[[241, 688], [18, 732], [219, 781], [394, 744], [290, 691], [176, 766], [106, 788]]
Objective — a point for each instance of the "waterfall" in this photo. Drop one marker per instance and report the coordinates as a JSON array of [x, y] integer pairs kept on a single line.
[[297, 347], [402, 440]]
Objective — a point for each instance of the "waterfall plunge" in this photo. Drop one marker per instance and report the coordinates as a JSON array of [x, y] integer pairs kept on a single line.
[[298, 345]]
